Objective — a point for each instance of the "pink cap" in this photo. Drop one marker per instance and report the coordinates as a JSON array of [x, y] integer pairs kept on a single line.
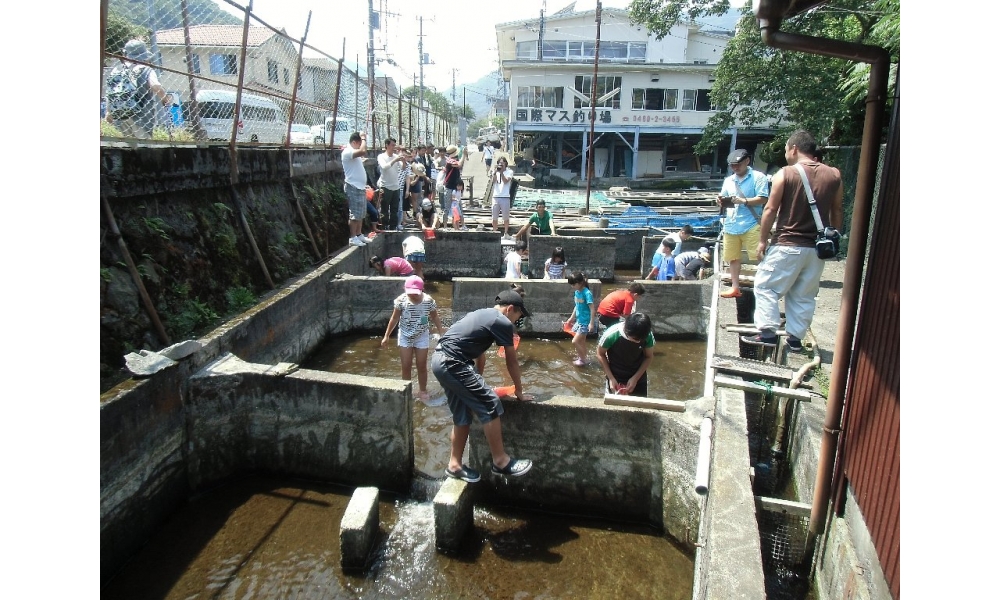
[[414, 284]]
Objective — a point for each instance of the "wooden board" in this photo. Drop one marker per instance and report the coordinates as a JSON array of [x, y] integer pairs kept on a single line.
[[746, 367], [640, 402], [749, 386], [800, 509]]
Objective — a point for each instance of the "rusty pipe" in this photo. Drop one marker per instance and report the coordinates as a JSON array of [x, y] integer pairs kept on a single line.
[[878, 85]]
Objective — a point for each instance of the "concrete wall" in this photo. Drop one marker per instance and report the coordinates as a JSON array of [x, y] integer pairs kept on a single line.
[[244, 417], [594, 257], [597, 460], [126, 173], [143, 471], [451, 254], [550, 302], [628, 243]]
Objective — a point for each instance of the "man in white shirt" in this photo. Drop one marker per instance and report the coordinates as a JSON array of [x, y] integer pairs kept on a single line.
[[390, 163], [678, 237], [355, 179]]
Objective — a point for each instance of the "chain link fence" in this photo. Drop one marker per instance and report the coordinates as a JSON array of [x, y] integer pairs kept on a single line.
[[185, 70]]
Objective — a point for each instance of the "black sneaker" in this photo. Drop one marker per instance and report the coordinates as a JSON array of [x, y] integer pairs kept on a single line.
[[759, 339], [515, 468], [466, 474], [794, 344]]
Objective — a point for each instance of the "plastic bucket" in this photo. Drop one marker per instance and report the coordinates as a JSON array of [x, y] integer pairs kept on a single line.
[[429, 234]]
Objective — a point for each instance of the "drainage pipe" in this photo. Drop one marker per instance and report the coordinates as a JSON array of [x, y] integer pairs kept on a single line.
[[878, 84], [704, 457]]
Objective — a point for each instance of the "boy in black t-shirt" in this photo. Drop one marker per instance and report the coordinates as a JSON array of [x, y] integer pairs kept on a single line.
[[625, 351]]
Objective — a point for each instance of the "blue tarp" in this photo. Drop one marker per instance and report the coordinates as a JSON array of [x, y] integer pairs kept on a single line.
[[644, 216]]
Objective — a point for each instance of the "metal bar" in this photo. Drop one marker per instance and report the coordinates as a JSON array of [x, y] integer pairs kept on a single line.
[[235, 196], [336, 97], [295, 86], [234, 173], [749, 386], [194, 113], [134, 272], [305, 223]]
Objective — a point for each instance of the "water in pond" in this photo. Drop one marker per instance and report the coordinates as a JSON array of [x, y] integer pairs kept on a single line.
[[278, 538], [265, 538], [677, 373]]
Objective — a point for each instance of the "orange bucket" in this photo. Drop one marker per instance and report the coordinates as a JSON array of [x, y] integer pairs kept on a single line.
[[429, 234], [505, 390], [568, 328], [502, 353]]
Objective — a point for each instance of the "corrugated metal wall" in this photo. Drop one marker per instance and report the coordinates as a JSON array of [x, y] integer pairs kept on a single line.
[[870, 457]]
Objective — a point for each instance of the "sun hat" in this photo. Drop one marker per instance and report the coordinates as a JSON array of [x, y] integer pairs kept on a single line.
[[136, 49], [703, 251], [451, 150], [417, 168], [513, 298], [413, 284], [426, 203]]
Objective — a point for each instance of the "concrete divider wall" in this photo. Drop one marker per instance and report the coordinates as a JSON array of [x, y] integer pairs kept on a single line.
[[677, 308], [451, 254], [597, 460], [593, 256], [143, 470], [628, 243], [361, 303], [349, 429], [550, 302], [651, 243]]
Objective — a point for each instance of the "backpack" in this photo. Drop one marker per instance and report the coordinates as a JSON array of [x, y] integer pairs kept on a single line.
[[513, 188], [124, 98]]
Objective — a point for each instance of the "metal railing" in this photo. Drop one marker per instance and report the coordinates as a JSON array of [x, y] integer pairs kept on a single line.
[[207, 75]]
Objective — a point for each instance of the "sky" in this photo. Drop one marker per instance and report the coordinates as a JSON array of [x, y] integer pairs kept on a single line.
[[456, 35]]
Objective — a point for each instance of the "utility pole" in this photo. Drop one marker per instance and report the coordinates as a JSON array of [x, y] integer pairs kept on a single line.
[[541, 31], [593, 105], [371, 68], [420, 49], [453, 85]]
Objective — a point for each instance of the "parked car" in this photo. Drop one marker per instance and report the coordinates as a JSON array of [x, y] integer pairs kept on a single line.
[[262, 121], [321, 133], [301, 134]]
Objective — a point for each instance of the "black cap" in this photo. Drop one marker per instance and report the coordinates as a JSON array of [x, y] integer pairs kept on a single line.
[[511, 297], [737, 155]]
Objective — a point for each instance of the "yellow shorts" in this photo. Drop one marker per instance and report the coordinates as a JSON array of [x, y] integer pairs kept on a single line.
[[733, 244]]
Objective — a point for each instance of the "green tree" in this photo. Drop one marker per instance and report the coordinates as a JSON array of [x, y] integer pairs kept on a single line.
[[757, 85], [119, 31], [440, 105]]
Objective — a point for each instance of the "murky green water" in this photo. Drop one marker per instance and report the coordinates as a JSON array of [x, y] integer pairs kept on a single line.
[[264, 538]]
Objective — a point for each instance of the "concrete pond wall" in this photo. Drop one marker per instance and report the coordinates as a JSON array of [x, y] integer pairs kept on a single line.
[[239, 404]]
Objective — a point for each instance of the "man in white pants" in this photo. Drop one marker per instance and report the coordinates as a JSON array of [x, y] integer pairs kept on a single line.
[[790, 268]]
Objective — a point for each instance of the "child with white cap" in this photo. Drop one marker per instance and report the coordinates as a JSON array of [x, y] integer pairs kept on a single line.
[[413, 311]]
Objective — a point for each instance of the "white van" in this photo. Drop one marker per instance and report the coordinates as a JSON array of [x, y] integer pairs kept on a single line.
[[342, 134], [262, 121]]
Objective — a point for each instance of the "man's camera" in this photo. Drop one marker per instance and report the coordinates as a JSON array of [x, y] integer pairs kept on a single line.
[[827, 243]]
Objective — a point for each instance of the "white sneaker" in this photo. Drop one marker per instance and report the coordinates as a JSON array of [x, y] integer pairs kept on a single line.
[[356, 241], [366, 240]]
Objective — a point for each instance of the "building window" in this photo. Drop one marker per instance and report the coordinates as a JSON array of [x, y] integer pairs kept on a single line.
[[527, 50], [654, 99], [286, 77], [554, 50], [697, 100], [604, 86], [195, 64], [222, 64], [272, 71], [536, 96]]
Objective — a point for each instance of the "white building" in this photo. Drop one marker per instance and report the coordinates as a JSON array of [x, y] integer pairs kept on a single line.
[[652, 95]]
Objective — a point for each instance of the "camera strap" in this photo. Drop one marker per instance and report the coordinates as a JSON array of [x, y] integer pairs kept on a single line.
[[809, 195], [739, 192]]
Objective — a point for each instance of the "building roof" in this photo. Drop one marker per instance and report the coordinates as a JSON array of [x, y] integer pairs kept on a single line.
[[214, 35], [320, 63]]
